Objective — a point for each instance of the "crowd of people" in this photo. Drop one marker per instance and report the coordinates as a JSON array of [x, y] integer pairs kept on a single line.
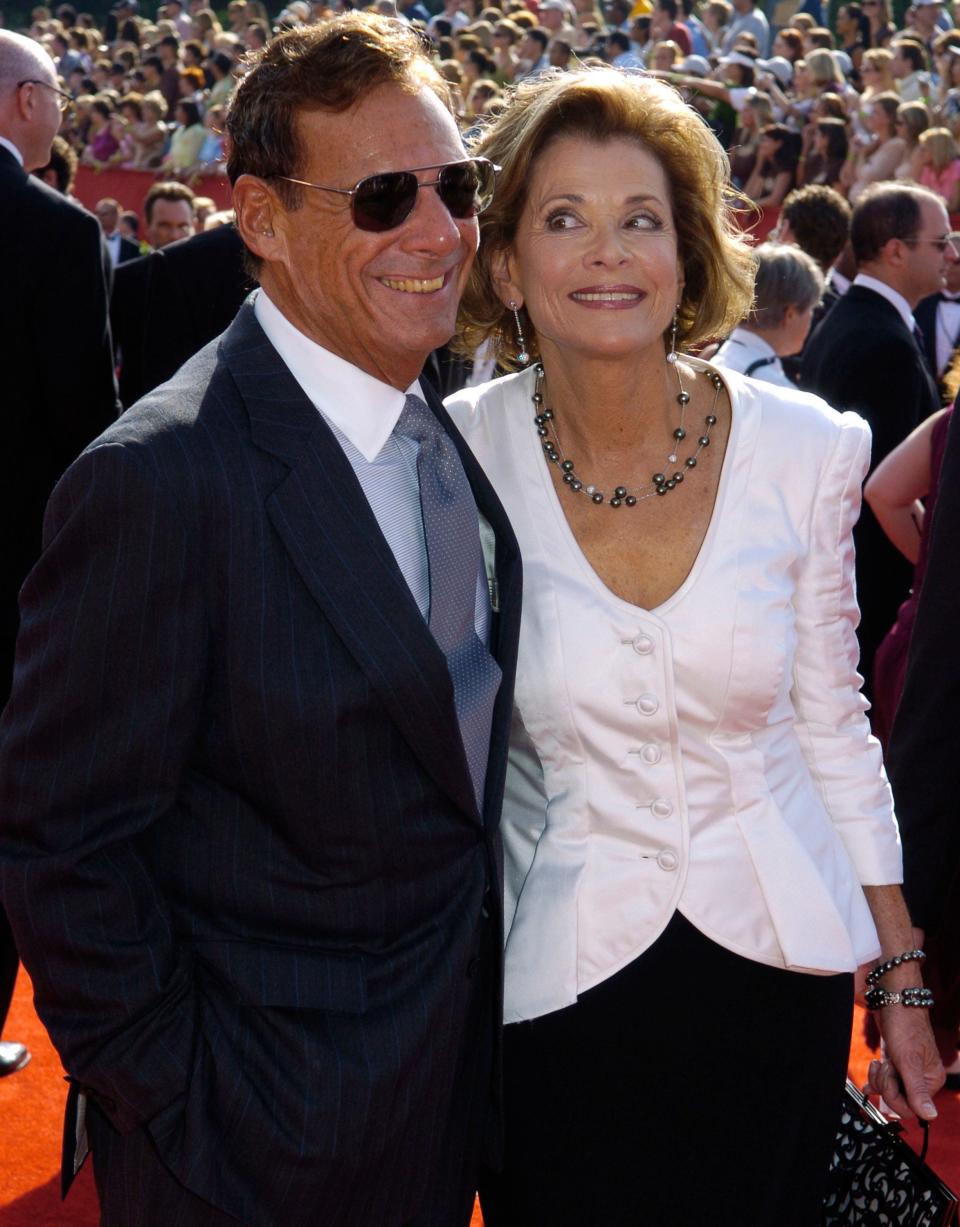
[[363, 804], [842, 104]]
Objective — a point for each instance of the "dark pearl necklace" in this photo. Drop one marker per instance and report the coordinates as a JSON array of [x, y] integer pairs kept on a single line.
[[660, 482]]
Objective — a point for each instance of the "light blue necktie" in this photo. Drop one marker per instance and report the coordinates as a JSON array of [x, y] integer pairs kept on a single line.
[[452, 534]]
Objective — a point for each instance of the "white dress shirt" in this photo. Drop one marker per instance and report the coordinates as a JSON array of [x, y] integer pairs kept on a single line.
[[363, 412], [893, 297], [710, 755], [13, 149], [744, 349]]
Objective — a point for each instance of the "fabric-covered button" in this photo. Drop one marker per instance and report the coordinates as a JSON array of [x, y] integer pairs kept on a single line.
[[648, 704], [668, 860], [650, 753], [643, 644], [661, 808]]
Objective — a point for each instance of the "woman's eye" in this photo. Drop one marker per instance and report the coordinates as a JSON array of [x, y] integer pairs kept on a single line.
[[561, 221], [644, 221]]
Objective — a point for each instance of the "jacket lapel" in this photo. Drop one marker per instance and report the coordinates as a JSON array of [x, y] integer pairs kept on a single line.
[[325, 523]]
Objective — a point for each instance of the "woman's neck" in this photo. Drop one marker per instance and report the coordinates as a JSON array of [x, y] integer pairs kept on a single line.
[[609, 405]]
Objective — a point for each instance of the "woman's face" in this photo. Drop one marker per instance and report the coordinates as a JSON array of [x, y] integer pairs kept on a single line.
[[801, 77], [595, 258], [748, 118], [663, 58], [767, 147], [879, 122]]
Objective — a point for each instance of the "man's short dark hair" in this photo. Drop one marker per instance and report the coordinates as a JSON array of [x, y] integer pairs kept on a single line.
[[540, 35], [131, 219], [171, 41], [166, 191], [617, 38], [819, 220], [669, 7], [154, 62], [328, 67], [913, 51], [886, 211]]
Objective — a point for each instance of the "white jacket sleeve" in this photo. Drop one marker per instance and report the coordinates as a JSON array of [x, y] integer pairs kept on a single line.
[[844, 758]]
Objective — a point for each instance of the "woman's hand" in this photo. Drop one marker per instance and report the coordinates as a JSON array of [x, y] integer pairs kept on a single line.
[[911, 1072]]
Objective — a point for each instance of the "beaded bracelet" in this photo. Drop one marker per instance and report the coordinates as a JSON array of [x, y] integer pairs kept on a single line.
[[877, 998], [879, 972]]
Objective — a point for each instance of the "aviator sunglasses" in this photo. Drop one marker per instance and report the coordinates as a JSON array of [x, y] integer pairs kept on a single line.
[[383, 202]]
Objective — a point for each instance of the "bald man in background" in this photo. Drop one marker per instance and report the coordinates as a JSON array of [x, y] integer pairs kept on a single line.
[[59, 390]]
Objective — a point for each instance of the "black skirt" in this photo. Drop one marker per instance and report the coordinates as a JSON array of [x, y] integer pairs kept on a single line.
[[694, 1086]]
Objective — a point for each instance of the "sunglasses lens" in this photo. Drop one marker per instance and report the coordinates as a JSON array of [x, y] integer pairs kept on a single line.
[[384, 201], [466, 188]]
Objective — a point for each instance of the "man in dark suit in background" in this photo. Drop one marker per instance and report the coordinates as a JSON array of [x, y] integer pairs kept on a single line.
[[58, 389], [938, 318], [170, 303], [252, 768], [865, 356], [119, 249], [923, 760]]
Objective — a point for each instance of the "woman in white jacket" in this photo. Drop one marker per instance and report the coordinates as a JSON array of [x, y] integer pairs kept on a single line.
[[700, 845]]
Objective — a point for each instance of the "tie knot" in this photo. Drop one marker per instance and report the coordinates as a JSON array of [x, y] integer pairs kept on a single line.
[[417, 422]]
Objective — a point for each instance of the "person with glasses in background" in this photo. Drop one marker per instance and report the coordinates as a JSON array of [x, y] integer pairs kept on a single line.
[[867, 355], [58, 384], [270, 650]]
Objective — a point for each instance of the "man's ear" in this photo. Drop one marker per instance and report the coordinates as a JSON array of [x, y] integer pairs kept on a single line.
[[259, 215]]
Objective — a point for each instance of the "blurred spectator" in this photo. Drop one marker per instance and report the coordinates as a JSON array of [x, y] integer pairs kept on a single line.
[[775, 174], [909, 67], [168, 209], [119, 249], [788, 286], [748, 19], [913, 119], [938, 163], [824, 165], [185, 141], [101, 144], [61, 171], [879, 159]]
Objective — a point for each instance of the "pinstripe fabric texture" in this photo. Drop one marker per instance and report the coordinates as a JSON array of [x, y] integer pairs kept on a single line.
[[239, 842]]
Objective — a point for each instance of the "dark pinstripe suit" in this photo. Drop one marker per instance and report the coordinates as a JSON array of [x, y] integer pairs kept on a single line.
[[239, 844]]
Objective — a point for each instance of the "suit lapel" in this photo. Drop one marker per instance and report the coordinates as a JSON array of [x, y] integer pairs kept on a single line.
[[326, 525]]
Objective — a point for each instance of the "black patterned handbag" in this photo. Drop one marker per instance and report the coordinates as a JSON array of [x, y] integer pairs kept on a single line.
[[876, 1179]]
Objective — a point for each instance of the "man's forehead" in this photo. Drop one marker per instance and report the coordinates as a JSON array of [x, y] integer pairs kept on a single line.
[[362, 141]]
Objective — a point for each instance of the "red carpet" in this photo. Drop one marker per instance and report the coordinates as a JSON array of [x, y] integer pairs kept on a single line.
[[31, 1103]]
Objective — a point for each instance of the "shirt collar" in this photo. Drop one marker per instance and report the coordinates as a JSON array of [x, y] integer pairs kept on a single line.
[[893, 297], [360, 406], [753, 341], [13, 149]]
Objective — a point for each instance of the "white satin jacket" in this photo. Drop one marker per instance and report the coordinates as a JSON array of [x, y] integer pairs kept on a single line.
[[711, 755]]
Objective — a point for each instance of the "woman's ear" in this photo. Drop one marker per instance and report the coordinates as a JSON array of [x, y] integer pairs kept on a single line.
[[503, 276]]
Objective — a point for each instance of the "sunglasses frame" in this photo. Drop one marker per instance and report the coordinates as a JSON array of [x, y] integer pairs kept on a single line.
[[413, 170]]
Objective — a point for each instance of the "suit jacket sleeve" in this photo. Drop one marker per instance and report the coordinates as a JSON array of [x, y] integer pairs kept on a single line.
[[844, 759], [924, 754], [110, 668]]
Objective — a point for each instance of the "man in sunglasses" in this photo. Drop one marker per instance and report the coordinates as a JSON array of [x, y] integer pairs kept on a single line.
[[57, 389], [253, 766]]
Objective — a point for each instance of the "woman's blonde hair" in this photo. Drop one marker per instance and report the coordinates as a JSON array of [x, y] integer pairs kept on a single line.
[[823, 67], [915, 117], [938, 144], [603, 104]]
